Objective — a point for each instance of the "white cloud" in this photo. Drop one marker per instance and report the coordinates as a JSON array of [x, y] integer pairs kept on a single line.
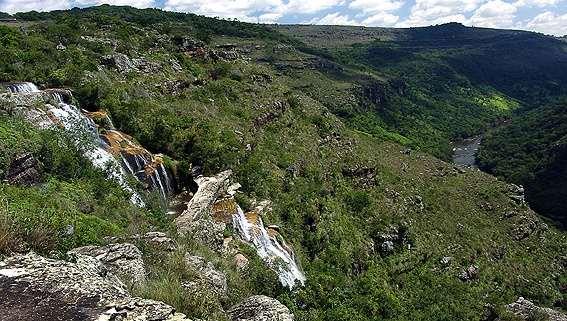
[[549, 23], [494, 14], [13, 6], [429, 12], [267, 11], [333, 19], [133, 3], [536, 3], [374, 6], [382, 19]]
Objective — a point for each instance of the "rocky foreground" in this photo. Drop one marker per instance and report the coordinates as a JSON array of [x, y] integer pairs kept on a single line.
[[38, 288]]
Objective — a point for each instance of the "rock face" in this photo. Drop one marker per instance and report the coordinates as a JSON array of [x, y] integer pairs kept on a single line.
[[124, 260], [469, 273], [207, 275], [516, 193], [35, 288], [526, 310], [197, 219], [24, 170], [159, 240], [210, 189], [260, 308]]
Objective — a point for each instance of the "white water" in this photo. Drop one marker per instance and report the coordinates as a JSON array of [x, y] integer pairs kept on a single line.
[[85, 136], [278, 256], [24, 87]]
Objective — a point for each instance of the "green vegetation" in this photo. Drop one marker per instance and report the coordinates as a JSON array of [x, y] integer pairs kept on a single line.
[[531, 150], [316, 131]]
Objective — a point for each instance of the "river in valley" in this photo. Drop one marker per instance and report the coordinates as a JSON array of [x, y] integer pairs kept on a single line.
[[465, 151]]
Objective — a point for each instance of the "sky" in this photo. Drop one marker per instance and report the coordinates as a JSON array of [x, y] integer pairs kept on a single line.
[[545, 16]]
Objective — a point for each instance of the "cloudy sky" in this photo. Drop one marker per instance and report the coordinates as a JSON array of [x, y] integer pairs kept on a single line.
[[547, 16]]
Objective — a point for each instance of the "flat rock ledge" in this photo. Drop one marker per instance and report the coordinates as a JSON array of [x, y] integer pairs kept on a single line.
[[36, 288], [260, 308], [527, 310], [122, 259]]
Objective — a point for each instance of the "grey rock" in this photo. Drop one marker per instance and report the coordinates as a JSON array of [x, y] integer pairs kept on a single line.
[[469, 273], [207, 275], [36, 288], [260, 308], [120, 62], [527, 310], [516, 193], [159, 240], [446, 260], [387, 246], [210, 189], [24, 170], [123, 259]]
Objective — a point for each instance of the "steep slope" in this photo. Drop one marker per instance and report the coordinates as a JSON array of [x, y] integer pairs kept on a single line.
[[531, 151], [460, 81], [382, 232]]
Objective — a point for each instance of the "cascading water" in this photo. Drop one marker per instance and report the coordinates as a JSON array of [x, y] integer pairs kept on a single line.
[[112, 156], [24, 87], [269, 246]]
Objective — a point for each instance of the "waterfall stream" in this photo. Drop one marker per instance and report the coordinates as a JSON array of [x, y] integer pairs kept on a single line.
[[270, 246], [106, 148]]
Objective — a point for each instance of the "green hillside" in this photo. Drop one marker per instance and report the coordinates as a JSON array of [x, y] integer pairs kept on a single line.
[[346, 141]]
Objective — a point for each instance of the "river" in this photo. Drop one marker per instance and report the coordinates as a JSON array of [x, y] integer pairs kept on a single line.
[[465, 151]]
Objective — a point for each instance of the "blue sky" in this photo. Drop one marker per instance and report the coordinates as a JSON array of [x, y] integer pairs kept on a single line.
[[546, 16]]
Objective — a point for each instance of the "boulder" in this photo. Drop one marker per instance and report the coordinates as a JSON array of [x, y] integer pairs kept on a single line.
[[527, 310], [260, 308], [206, 275], [24, 170], [241, 262], [122, 259], [516, 193], [469, 273], [209, 190], [159, 240], [36, 288], [120, 62]]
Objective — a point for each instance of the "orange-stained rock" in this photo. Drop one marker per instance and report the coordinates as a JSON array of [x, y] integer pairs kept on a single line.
[[224, 209]]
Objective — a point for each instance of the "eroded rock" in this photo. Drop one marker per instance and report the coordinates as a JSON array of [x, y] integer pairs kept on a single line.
[[527, 310], [36, 288], [122, 259], [260, 308], [210, 189], [24, 170], [206, 275]]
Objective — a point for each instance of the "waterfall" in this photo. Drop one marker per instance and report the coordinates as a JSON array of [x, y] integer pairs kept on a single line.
[[24, 87], [269, 246], [106, 148], [85, 136]]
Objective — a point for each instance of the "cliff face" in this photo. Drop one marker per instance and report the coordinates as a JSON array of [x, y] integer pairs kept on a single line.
[[228, 172]]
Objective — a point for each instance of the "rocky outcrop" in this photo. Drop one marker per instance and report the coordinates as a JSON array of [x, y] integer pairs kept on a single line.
[[206, 276], [124, 64], [516, 193], [210, 189], [469, 274], [120, 62], [24, 170], [35, 288], [260, 308], [526, 310], [159, 240], [197, 220], [122, 259]]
